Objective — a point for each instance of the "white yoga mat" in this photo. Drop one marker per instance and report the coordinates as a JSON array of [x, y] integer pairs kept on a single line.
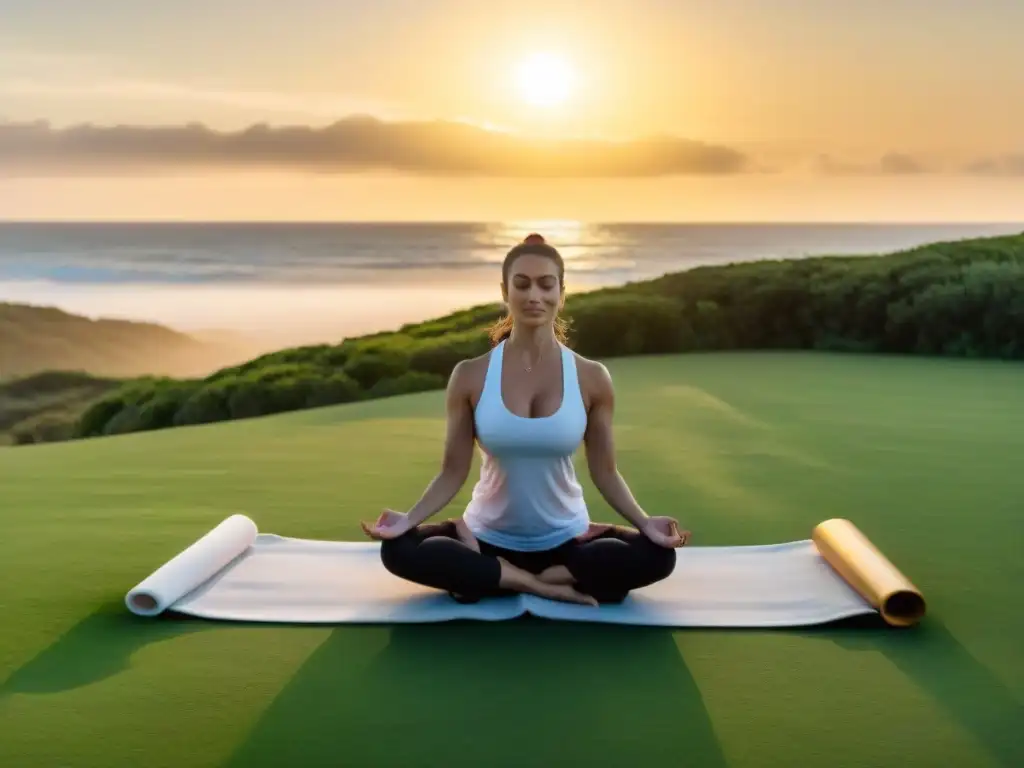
[[235, 573]]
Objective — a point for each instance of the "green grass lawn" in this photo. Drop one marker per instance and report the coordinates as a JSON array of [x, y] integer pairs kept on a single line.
[[926, 456]]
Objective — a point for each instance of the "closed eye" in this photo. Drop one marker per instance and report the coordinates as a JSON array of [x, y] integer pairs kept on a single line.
[[547, 282]]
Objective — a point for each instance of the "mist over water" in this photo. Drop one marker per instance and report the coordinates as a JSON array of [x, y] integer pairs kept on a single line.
[[281, 284]]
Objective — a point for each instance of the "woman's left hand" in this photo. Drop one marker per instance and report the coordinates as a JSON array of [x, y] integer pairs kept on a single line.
[[390, 525], [665, 532]]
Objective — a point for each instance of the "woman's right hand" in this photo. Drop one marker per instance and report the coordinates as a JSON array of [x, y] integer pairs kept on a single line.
[[390, 525], [665, 532]]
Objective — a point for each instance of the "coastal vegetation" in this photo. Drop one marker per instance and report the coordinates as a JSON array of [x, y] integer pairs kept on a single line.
[[958, 298]]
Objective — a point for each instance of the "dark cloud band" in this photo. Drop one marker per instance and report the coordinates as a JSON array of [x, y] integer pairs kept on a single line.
[[354, 144], [437, 148]]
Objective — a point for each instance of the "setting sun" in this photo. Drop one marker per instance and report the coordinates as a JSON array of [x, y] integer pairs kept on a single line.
[[545, 79]]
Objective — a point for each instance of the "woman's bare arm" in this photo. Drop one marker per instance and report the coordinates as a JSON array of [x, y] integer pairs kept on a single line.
[[458, 447], [600, 446]]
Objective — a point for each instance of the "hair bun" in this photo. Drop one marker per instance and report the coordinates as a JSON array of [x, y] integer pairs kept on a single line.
[[534, 239]]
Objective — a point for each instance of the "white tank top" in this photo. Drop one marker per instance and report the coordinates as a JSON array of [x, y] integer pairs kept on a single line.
[[528, 497]]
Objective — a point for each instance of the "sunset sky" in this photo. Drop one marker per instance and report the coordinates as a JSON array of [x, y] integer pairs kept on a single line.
[[426, 109]]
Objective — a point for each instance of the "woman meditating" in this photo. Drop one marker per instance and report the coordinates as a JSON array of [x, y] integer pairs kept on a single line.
[[529, 403]]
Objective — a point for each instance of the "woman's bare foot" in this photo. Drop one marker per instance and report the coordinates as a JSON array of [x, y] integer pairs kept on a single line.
[[566, 593], [556, 574], [518, 580]]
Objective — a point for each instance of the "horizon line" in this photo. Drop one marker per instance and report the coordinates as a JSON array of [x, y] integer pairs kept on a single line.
[[523, 220]]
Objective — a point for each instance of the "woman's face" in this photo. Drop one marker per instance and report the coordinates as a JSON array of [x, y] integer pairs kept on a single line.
[[534, 292]]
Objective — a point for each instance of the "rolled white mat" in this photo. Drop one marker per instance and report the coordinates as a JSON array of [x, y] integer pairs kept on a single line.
[[192, 567]]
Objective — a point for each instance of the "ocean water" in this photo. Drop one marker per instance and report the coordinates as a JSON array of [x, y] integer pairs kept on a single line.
[[287, 283]]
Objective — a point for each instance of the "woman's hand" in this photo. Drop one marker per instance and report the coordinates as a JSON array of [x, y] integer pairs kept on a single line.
[[593, 531], [665, 532], [390, 525]]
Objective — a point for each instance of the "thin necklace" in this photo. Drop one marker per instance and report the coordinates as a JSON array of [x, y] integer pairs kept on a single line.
[[529, 368]]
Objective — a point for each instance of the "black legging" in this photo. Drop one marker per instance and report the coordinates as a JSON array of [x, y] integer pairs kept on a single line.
[[606, 567]]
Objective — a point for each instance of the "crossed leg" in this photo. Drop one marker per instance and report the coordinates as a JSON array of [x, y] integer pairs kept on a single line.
[[612, 564], [603, 569], [432, 555]]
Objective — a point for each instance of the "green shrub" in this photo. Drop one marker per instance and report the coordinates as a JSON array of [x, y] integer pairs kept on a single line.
[[408, 383], [128, 419], [207, 404], [628, 324], [473, 318], [142, 404], [317, 355], [282, 387], [93, 421], [440, 355], [158, 411], [369, 367], [253, 397], [710, 326], [958, 298], [333, 389]]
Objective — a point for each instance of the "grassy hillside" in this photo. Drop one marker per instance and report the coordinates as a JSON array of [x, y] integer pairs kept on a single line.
[[54, 364], [34, 339], [44, 407], [963, 299], [923, 454]]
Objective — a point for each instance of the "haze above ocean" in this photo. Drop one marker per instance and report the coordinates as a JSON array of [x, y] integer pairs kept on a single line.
[[287, 283]]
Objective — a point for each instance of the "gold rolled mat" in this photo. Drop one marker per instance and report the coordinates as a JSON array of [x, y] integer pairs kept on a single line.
[[869, 572]]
